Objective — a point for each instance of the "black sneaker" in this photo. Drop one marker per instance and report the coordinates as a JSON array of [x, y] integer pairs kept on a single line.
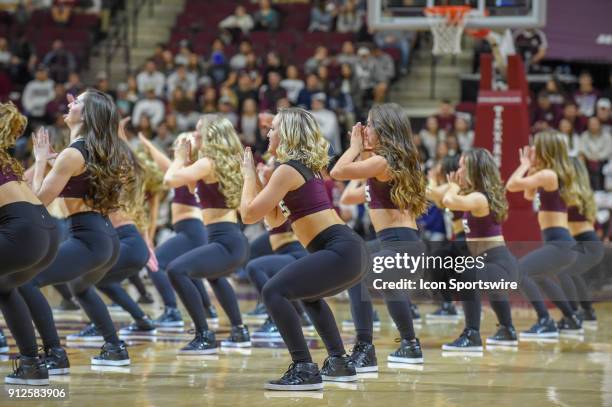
[[505, 336], [4, 348], [89, 333], [446, 311], [414, 309], [544, 328], [570, 325], [30, 371], [587, 316], [146, 299], [112, 355], [143, 325], [68, 305], [468, 341], [257, 313], [239, 338], [57, 361], [339, 369], [211, 315], [363, 356], [171, 318], [204, 343], [267, 330], [299, 377], [408, 352]]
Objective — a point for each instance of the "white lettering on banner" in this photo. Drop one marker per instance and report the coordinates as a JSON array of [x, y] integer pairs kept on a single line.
[[498, 132], [604, 39]]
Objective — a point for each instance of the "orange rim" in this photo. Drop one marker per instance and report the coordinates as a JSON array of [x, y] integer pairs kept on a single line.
[[478, 33], [454, 14]]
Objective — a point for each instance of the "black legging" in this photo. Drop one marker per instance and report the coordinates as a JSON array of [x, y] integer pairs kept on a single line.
[[452, 248], [29, 241], [393, 241], [226, 251], [540, 266], [133, 256], [338, 259], [82, 260], [190, 234], [137, 282], [260, 246], [499, 264]]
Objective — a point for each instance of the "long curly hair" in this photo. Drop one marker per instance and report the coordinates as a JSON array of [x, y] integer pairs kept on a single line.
[[109, 157], [551, 153], [301, 139], [396, 145], [221, 144], [153, 175], [583, 186], [482, 175], [132, 198], [12, 126]]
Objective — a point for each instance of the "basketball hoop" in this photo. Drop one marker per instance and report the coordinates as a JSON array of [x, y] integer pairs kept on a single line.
[[447, 24]]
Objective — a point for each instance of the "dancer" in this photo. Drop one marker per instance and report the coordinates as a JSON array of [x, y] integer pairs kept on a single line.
[[546, 176], [29, 241], [337, 256], [86, 175], [477, 190], [190, 233], [218, 187], [395, 196]]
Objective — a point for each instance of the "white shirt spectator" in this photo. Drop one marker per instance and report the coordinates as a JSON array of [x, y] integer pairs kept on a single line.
[[154, 108], [293, 88], [244, 22], [328, 122], [465, 139], [189, 83], [596, 148], [36, 95], [155, 80]]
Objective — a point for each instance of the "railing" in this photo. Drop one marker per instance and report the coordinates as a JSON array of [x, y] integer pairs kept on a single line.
[[117, 40], [137, 7]]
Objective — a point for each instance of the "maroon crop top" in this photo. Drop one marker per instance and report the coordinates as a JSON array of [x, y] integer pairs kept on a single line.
[[284, 228], [455, 215], [309, 198], [184, 197], [7, 175], [483, 226], [550, 201], [573, 215], [378, 194], [78, 186], [210, 196]]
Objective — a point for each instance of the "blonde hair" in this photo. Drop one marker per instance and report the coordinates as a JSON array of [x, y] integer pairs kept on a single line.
[[482, 175], [551, 153], [395, 144], [12, 125], [301, 139], [221, 144], [583, 186]]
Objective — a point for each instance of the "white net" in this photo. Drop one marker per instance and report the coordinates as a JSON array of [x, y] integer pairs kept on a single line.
[[447, 30]]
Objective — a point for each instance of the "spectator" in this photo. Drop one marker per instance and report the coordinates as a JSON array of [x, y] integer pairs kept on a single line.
[[61, 11], [269, 94], [324, 80], [347, 55], [544, 114], [158, 54], [555, 94], [292, 83], [151, 78], [226, 109], [59, 61], [401, 40], [596, 147], [350, 19], [248, 125], [182, 79], [164, 137], [465, 135], [328, 122], [446, 116], [38, 93], [244, 89], [322, 16], [252, 69], [384, 72], [431, 135], [167, 66], [604, 115], [570, 112], [452, 143], [365, 73], [182, 56], [218, 69], [229, 92], [58, 106], [194, 66], [132, 92], [573, 139], [239, 61], [305, 96], [74, 86], [19, 72], [103, 86], [144, 126], [586, 96], [240, 20], [209, 100], [273, 63], [341, 100], [266, 18], [283, 103], [531, 45], [150, 106], [441, 152], [184, 109], [123, 102], [5, 53], [320, 57]]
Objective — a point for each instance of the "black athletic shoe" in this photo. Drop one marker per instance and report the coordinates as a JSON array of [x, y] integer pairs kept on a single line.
[[112, 355], [171, 318], [259, 312], [339, 369], [204, 343], [239, 338], [570, 325], [587, 316], [414, 309], [505, 336], [408, 352], [267, 330], [363, 356], [299, 377], [544, 328], [89, 333], [446, 311], [146, 299], [68, 305], [56, 360], [211, 315], [28, 371], [143, 325], [468, 341], [3, 343]]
